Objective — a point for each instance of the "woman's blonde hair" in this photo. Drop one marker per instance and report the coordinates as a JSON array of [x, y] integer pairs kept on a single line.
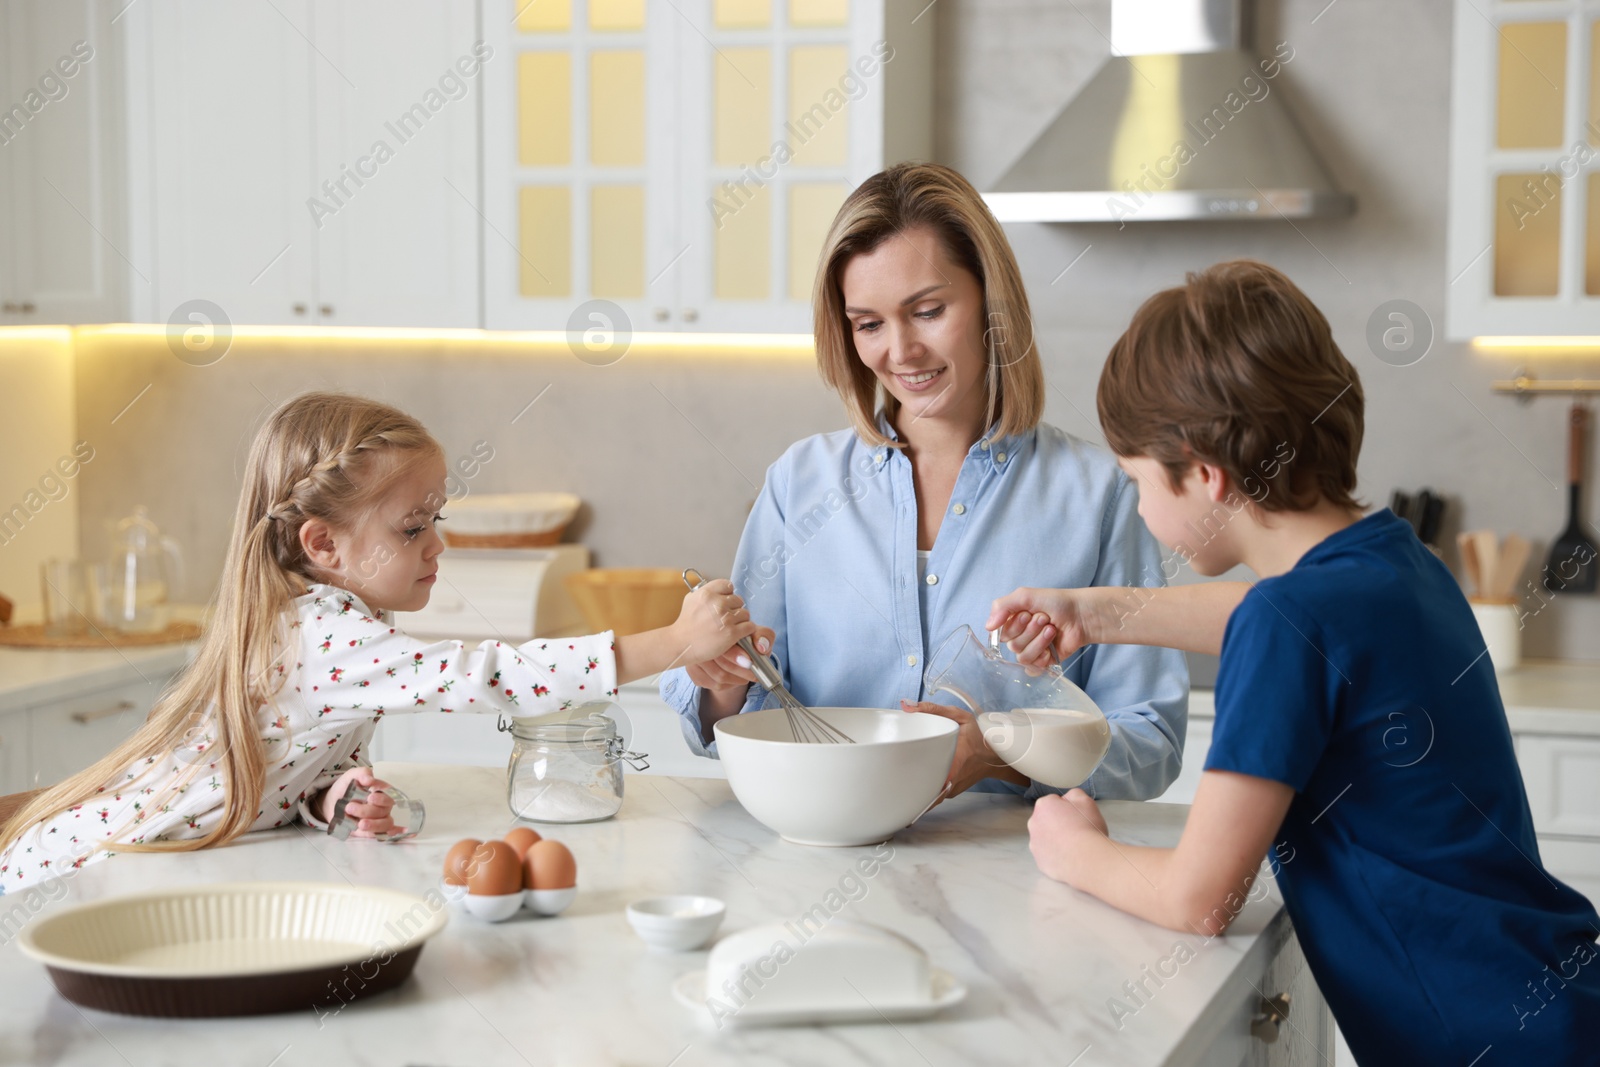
[[891, 202], [320, 455]]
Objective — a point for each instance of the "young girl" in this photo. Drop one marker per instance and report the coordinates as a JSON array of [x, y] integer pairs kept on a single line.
[[335, 531]]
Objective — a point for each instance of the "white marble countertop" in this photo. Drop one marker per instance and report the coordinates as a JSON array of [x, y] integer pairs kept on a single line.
[[1040, 960], [30, 676]]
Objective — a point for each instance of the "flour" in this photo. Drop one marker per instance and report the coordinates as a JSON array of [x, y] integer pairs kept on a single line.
[[564, 801]]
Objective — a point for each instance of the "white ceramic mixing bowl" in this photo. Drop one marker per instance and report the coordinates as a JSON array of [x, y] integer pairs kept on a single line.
[[822, 794]]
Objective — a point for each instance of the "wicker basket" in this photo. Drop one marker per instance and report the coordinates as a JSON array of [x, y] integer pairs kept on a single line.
[[627, 600], [509, 520]]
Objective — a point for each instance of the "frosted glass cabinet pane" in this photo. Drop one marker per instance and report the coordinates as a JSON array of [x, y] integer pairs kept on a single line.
[[545, 248], [543, 16], [818, 111], [616, 15], [1527, 235], [616, 108], [744, 247], [544, 109], [1592, 244], [616, 241], [742, 104], [1533, 78], [1592, 119], [742, 14], [819, 12], [812, 207]]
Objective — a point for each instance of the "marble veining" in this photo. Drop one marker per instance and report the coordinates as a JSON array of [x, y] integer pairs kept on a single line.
[[1040, 960]]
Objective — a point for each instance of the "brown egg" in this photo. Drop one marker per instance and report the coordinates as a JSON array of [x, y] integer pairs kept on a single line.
[[549, 865], [521, 839], [455, 861], [494, 871]]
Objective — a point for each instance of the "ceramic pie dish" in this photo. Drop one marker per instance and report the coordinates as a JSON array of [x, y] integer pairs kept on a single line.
[[250, 948]]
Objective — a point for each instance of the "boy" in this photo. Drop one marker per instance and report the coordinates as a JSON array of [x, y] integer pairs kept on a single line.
[[1359, 731]]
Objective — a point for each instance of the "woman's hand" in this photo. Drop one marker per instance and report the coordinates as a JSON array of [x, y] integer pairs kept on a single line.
[[374, 812], [1056, 833], [1042, 627], [974, 759], [731, 670]]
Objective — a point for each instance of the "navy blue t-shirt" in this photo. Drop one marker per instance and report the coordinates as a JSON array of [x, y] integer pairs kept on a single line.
[[1410, 869]]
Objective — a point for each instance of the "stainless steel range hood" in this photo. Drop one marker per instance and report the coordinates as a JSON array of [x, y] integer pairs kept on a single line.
[[1182, 122]]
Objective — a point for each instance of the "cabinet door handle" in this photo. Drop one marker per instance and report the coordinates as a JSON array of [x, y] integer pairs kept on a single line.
[[299, 309], [1269, 1013], [690, 314], [86, 717], [662, 314], [29, 307], [326, 309], [10, 307]]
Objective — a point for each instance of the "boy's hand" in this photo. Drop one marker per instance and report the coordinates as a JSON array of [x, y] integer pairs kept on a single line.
[[1057, 832], [732, 668], [974, 760], [712, 620], [374, 812], [1042, 626]]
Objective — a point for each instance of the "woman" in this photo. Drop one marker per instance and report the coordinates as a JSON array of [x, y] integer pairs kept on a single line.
[[869, 546]]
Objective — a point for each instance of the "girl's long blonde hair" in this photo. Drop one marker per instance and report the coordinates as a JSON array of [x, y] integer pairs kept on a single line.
[[320, 455], [891, 202]]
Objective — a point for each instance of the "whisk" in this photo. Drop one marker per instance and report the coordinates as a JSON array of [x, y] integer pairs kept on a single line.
[[805, 725]]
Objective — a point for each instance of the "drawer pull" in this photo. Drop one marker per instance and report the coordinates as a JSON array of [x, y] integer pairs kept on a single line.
[[87, 717], [1269, 1013]]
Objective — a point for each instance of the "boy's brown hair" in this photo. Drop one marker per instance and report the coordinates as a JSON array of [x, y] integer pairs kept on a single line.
[[1238, 368]]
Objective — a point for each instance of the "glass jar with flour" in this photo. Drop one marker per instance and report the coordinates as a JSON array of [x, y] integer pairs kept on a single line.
[[567, 767]]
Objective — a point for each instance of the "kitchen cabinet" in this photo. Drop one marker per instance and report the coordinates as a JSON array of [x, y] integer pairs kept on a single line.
[[1524, 232], [313, 162], [62, 217], [675, 167], [45, 742]]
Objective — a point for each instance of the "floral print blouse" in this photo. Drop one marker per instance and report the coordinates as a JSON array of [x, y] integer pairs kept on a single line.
[[351, 667]]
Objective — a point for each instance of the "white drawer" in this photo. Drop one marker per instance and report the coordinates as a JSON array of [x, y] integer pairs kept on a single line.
[[68, 735], [1562, 776], [1576, 863]]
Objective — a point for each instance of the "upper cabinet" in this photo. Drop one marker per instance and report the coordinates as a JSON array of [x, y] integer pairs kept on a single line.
[[312, 161], [680, 163], [63, 255], [1524, 240]]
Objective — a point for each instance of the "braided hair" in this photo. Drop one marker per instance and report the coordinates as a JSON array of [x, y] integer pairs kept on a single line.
[[329, 456]]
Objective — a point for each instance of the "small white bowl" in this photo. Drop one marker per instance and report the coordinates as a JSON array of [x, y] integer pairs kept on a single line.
[[492, 909], [453, 894], [548, 901], [676, 924]]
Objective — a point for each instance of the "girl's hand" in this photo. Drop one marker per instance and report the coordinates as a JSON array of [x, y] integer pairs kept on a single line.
[[974, 759], [1042, 626], [712, 620], [373, 812], [1057, 829], [732, 668]]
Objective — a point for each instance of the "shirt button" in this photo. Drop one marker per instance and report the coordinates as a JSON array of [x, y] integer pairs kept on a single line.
[[1000, 457], [911, 661], [984, 445], [960, 509], [881, 456], [933, 579]]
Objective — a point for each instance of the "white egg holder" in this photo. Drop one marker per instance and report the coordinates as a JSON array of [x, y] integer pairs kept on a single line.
[[500, 907]]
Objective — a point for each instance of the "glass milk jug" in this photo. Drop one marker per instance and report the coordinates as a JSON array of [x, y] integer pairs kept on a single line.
[[1035, 720], [140, 573]]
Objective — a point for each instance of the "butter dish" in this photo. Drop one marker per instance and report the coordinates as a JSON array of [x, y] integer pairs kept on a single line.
[[846, 971]]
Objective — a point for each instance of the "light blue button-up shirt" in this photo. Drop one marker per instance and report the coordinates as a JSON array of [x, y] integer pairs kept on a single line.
[[829, 561]]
